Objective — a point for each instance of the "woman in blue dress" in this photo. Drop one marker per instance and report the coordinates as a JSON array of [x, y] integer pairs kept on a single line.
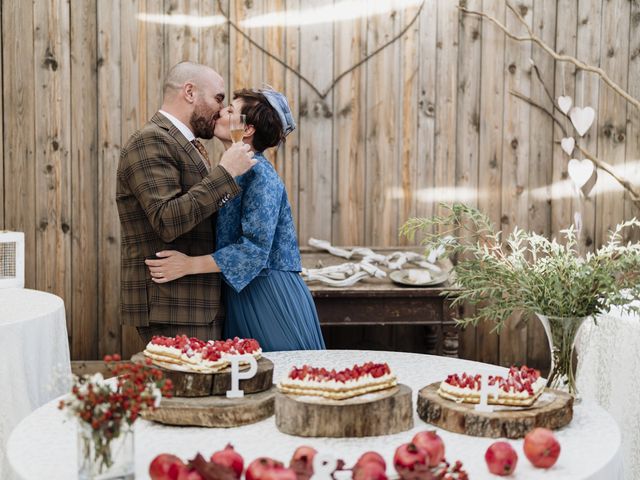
[[257, 248]]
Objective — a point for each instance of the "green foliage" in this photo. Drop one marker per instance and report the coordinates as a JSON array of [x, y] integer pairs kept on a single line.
[[526, 272]]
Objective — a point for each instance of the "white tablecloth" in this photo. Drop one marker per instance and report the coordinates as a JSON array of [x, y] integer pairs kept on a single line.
[[590, 445], [608, 373], [34, 357]]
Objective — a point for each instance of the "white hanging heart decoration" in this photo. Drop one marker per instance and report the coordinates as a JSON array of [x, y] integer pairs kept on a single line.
[[568, 144], [582, 118], [565, 104], [583, 173]]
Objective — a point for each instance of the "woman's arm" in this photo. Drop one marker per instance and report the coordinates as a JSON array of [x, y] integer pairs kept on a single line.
[[174, 265], [242, 261]]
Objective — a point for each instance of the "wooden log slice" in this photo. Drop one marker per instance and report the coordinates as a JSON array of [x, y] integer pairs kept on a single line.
[[553, 413], [214, 411], [188, 384], [380, 413]]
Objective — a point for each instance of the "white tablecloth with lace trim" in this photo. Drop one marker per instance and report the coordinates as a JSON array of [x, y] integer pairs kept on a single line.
[[608, 366], [34, 351], [43, 445]]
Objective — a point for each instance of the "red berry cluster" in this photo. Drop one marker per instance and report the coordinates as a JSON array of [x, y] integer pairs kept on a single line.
[[518, 380], [376, 370], [105, 408]]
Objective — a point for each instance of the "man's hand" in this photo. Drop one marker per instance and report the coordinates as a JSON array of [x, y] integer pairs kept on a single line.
[[238, 159], [169, 266]]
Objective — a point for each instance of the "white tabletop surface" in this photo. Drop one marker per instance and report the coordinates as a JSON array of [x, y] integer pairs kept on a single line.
[[43, 445], [34, 355]]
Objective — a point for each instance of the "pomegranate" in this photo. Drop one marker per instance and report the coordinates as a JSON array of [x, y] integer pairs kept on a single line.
[[279, 473], [541, 448], [229, 458], [259, 466], [501, 458], [409, 458], [432, 444], [371, 470], [165, 467], [186, 473], [302, 462], [369, 457]]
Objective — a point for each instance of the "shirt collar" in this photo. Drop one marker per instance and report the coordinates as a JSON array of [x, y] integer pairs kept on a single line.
[[184, 130]]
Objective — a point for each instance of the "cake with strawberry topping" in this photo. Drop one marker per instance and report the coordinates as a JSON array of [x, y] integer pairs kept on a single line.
[[338, 384], [194, 355], [521, 387]]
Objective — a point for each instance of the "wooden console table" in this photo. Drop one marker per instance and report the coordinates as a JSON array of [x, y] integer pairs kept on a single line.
[[382, 302]]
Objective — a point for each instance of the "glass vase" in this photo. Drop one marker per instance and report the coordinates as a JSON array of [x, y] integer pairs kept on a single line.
[[561, 334], [105, 459]]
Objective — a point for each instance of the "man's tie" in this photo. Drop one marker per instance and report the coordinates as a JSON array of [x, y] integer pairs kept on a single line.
[[203, 152]]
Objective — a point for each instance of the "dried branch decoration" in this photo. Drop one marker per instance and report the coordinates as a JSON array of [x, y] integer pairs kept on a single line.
[[532, 37], [321, 94]]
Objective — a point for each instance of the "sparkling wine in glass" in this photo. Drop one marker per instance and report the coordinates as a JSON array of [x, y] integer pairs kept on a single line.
[[237, 124]]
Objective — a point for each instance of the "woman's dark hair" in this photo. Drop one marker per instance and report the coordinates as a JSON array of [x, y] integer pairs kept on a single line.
[[263, 117]]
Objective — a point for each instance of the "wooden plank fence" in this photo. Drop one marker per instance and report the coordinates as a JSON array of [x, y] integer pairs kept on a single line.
[[429, 118]]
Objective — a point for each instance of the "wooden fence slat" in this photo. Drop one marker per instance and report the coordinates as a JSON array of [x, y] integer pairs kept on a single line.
[[84, 179], [291, 160], [612, 112], [425, 182], [562, 189], [134, 104], [382, 187], [540, 151], [155, 67], [110, 115], [632, 156], [409, 336], [182, 38], [408, 93], [273, 73], [52, 150], [350, 46], [588, 50], [468, 130], [315, 121], [214, 51], [490, 152], [246, 65], [515, 168], [19, 134]]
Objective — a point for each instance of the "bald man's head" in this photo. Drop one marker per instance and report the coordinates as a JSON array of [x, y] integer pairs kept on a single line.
[[195, 92], [189, 72]]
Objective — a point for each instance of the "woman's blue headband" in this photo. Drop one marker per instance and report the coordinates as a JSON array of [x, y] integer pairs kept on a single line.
[[281, 106]]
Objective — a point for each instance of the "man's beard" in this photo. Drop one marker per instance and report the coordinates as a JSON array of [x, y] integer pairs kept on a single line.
[[201, 123]]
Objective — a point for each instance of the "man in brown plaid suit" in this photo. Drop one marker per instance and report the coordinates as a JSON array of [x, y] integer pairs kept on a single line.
[[167, 196]]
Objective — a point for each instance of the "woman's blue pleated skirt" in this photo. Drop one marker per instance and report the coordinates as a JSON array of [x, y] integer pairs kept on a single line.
[[277, 310]]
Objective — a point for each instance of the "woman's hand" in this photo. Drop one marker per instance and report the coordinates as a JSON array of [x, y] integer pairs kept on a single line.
[[171, 266]]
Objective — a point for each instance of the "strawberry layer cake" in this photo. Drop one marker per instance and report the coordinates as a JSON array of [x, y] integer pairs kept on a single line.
[[521, 387], [194, 355], [338, 385]]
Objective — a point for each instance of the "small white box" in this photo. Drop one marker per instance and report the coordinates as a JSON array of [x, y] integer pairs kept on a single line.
[[11, 259]]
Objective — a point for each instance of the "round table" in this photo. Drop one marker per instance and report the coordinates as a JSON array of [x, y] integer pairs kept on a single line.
[[608, 375], [34, 357], [590, 445]]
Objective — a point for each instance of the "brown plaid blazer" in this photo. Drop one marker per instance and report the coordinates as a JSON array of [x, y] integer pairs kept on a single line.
[[167, 200]]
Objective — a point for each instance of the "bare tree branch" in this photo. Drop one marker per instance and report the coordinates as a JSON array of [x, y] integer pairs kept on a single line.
[[532, 37], [324, 94]]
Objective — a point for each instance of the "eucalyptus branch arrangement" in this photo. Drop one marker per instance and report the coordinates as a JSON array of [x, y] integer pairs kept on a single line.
[[526, 272]]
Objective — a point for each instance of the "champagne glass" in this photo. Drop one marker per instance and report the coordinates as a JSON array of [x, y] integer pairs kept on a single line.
[[237, 124]]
